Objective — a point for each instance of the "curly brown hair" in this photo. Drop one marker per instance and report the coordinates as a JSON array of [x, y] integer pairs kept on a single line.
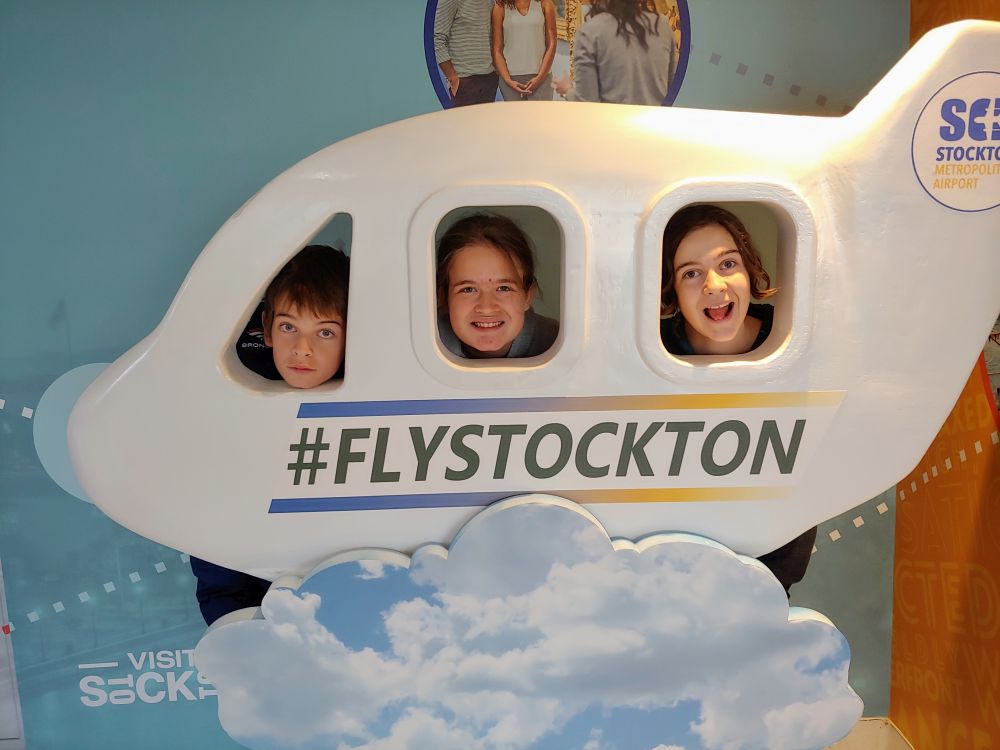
[[700, 215]]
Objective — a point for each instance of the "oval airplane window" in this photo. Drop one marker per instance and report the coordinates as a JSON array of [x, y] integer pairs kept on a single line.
[[498, 284], [539, 337], [726, 281]]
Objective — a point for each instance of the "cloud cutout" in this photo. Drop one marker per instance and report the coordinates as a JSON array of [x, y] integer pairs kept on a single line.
[[535, 630]]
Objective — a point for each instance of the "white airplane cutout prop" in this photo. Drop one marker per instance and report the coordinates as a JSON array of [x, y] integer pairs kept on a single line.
[[887, 260]]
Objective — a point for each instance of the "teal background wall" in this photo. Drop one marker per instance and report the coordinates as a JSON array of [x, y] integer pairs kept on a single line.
[[821, 56], [129, 132]]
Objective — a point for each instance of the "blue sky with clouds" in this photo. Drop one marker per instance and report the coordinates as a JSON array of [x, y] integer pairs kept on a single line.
[[535, 630]]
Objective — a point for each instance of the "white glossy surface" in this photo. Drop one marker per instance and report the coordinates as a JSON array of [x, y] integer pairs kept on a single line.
[[892, 297]]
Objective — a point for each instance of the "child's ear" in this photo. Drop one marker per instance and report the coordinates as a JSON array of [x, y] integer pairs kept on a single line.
[[529, 298], [265, 320]]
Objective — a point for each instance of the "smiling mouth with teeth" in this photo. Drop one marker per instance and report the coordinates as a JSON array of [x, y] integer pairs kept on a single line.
[[488, 324], [719, 312]]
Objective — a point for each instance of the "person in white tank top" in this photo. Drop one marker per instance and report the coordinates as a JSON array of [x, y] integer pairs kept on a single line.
[[523, 46]]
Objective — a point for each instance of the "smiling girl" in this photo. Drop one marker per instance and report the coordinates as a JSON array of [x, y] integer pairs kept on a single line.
[[485, 286], [523, 43]]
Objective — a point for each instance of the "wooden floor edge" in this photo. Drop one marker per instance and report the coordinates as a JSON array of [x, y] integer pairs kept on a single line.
[[874, 733]]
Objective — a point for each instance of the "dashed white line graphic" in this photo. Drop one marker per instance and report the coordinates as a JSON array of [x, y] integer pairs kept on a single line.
[[925, 478], [963, 457], [26, 411], [58, 607]]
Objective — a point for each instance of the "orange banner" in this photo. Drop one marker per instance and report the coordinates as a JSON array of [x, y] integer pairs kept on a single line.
[[946, 604]]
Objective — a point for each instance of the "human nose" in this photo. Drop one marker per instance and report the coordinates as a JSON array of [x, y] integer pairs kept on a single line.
[[486, 302], [301, 346], [714, 282]]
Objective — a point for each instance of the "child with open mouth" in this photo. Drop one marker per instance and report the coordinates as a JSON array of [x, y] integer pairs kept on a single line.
[[711, 271], [485, 287]]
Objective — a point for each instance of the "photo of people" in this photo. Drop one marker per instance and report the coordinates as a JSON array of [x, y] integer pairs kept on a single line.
[[523, 39], [617, 51]]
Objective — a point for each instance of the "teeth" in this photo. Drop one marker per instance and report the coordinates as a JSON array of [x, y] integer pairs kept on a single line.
[[487, 325], [718, 312]]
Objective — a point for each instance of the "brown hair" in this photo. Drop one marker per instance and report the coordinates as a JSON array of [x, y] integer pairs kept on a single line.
[[700, 215], [496, 231], [315, 279]]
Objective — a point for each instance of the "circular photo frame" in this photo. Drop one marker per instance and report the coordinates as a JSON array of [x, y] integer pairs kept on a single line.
[[616, 51]]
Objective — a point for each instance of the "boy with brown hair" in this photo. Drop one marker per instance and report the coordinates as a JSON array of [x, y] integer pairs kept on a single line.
[[302, 323]]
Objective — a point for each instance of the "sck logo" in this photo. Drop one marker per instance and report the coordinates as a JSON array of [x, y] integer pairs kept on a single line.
[[157, 676], [956, 143], [148, 687], [962, 117]]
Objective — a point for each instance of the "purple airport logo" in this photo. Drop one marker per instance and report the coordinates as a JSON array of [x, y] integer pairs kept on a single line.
[[956, 143]]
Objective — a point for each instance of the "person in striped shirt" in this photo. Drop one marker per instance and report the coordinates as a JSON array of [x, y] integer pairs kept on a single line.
[[462, 50]]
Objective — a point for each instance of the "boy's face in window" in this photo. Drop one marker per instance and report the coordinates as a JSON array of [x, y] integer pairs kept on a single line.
[[486, 300], [713, 291], [308, 348]]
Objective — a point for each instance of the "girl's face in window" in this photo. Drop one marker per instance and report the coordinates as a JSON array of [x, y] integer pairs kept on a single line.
[[713, 291], [486, 300]]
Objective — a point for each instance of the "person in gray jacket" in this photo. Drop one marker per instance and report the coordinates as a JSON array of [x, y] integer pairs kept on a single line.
[[485, 287], [624, 54]]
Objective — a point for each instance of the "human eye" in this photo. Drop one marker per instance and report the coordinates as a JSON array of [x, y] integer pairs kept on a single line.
[[690, 273], [729, 264], [467, 290], [505, 288], [286, 328], [327, 333]]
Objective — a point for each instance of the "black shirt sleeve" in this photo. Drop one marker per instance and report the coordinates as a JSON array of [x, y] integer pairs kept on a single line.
[[221, 590]]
